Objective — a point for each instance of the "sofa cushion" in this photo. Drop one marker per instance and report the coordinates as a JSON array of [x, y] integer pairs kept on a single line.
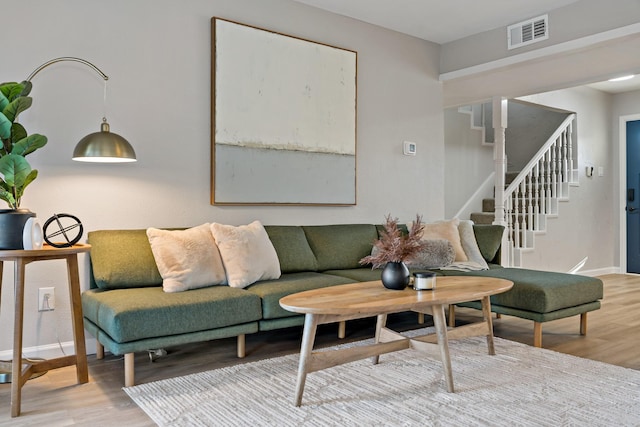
[[139, 313], [363, 274], [470, 244], [436, 253], [543, 291], [489, 238], [122, 259], [447, 230], [247, 253], [270, 291], [340, 246], [186, 259], [292, 248]]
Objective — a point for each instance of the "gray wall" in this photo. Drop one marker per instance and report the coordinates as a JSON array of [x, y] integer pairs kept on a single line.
[[579, 19], [157, 54], [468, 163], [529, 127]]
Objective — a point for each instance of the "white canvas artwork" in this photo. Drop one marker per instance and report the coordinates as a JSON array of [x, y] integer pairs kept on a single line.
[[284, 119]]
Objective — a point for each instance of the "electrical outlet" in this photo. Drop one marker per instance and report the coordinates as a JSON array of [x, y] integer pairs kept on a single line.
[[46, 299]]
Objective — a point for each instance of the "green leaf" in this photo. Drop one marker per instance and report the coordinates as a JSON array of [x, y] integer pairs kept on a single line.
[[7, 87], [26, 88], [28, 180], [5, 127], [18, 132], [8, 197], [16, 107], [29, 144], [4, 101], [13, 90], [15, 170]]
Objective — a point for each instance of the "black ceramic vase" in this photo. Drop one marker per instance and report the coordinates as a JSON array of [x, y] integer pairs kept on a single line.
[[12, 223], [395, 275]]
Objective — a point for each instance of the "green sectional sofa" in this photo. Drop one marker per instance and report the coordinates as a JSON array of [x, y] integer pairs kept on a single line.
[[127, 311]]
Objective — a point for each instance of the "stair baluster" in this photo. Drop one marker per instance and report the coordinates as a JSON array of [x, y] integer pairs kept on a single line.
[[536, 196]]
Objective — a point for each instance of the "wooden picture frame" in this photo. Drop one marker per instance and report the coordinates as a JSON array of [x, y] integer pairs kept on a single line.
[[283, 119]]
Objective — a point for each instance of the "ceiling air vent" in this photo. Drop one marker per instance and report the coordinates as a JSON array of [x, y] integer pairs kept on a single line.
[[528, 32]]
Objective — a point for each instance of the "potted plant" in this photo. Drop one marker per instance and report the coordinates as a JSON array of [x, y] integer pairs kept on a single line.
[[394, 248], [15, 171]]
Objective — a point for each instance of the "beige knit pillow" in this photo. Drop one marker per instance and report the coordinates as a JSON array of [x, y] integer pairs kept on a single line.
[[247, 253], [447, 230], [186, 259]]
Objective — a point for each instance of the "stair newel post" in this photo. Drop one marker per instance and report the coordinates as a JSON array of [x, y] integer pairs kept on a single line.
[[500, 167]]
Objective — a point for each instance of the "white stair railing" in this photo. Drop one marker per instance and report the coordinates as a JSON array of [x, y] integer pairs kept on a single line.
[[534, 193]]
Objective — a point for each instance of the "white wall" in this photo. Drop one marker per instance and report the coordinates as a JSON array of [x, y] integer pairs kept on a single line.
[[468, 163], [586, 225], [157, 54]]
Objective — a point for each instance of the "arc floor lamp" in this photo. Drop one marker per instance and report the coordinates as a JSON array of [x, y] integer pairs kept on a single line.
[[103, 146]]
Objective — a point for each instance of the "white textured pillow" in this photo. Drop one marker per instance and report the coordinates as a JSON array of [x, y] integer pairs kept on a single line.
[[470, 244], [247, 253], [447, 230], [186, 259]]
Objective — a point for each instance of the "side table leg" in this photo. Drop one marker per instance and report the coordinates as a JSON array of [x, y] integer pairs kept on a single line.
[[16, 365], [486, 311], [82, 371], [440, 324], [308, 338]]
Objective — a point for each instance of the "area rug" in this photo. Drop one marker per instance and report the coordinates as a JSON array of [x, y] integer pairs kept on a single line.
[[519, 386]]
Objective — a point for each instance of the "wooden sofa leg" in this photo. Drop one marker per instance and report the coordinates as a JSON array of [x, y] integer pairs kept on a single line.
[[420, 318], [241, 346], [452, 316], [129, 379], [537, 334], [99, 351], [583, 323], [342, 329], [498, 316]]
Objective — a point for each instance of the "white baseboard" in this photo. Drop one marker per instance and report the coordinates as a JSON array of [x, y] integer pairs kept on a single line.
[[50, 351], [600, 271]]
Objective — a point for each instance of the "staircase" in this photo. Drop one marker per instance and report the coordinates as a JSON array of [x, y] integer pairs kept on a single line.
[[480, 119], [488, 216], [532, 195]]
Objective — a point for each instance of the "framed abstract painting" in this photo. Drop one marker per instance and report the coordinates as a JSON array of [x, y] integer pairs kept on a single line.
[[283, 119]]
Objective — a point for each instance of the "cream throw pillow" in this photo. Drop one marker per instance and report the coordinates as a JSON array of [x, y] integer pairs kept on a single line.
[[186, 259], [470, 244], [447, 230], [247, 253]]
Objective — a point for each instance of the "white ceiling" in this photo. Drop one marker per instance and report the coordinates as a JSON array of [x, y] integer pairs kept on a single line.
[[439, 21], [443, 21]]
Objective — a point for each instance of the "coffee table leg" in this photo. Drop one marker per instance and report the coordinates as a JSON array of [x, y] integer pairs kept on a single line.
[[486, 312], [308, 338], [440, 324], [380, 323]]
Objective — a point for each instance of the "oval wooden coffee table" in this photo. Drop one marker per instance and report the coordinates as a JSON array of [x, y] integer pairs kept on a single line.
[[368, 299]]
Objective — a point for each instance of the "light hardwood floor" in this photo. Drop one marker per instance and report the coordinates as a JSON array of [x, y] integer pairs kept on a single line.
[[55, 400]]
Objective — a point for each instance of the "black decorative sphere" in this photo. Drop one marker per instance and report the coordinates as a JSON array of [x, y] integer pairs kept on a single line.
[[395, 275]]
